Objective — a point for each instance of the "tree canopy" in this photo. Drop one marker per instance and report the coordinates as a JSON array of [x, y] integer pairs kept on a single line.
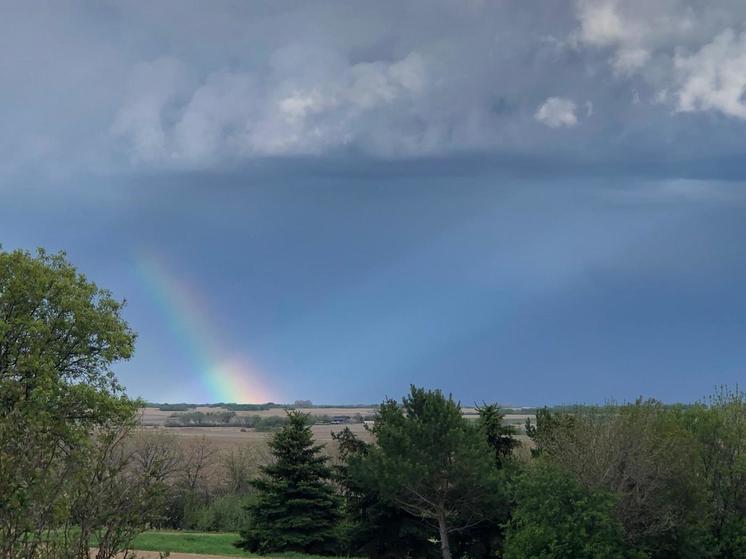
[[63, 414], [431, 462]]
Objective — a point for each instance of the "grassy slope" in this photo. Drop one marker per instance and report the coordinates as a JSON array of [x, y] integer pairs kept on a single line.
[[209, 543]]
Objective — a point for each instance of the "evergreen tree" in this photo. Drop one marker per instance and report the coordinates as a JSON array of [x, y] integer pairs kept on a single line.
[[296, 508], [375, 527], [485, 538], [432, 463], [501, 437]]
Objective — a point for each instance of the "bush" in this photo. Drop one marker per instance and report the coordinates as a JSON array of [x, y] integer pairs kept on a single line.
[[225, 513], [557, 518]]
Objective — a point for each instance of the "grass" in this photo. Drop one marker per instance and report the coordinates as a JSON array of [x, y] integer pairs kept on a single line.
[[209, 543]]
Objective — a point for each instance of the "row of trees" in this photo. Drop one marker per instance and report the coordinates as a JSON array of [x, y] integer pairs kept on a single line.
[[258, 422], [641, 480]]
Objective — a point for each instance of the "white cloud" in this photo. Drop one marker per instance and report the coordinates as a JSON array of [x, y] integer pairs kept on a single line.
[[685, 50], [714, 78], [556, 112], [603, 25], [287, 111]]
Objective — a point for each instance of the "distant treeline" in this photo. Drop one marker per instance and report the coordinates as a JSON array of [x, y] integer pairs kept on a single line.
[[259, 422], [232, 407], [223, 419], [254, 407]]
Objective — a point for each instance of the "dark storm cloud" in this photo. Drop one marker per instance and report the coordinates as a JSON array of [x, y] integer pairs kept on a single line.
[[188, 85]]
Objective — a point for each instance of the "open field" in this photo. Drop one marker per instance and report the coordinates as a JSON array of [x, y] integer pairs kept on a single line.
[[231, 437], [226, 438]]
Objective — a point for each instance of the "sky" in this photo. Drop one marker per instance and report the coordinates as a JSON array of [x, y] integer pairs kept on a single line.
[[524, 202]]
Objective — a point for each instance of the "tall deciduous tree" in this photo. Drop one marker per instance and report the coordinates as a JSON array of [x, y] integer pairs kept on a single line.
[[432, 462], [296, 507], [719, 428], [644, 455], [61, 407]]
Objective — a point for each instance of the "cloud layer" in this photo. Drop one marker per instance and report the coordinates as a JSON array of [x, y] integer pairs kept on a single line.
[[191, 85]]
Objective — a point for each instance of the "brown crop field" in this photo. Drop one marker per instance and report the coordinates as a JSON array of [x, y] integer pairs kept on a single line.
[[226, 438]]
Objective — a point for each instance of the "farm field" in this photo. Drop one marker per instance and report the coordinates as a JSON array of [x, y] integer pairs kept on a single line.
[[226, 438], [229, 437]]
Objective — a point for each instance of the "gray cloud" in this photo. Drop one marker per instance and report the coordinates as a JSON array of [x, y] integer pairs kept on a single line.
[[185, 85]]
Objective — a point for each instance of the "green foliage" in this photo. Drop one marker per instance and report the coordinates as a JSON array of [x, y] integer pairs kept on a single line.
[[296, 507], [63, 415], [201, 419], [499, 436], [432, 463], [223, 513], [224, 418], [374, 527], [718, 427], [173, 407], [485, 538], [557, 518], [243, 407], [679, 472]]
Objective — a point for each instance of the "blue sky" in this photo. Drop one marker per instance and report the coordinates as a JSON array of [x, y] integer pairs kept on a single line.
[[513, 202]]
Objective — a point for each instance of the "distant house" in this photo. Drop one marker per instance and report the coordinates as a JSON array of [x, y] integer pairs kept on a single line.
[[340, 419]]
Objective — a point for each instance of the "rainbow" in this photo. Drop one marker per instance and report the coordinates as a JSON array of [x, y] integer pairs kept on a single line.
[[225, 377]]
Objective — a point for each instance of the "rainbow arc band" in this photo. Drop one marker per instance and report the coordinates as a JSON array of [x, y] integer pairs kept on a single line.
[[226, 378]]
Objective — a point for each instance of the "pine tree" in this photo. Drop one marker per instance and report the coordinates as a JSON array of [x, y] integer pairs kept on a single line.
[[373, 527], [432, 463], [296, 507]]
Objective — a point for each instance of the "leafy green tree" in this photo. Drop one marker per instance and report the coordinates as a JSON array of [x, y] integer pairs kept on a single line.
[[296, 507], [719, 428], [62, 411], [557, 518], [642, 454], [485, 539], [432, 463], [373, 526]]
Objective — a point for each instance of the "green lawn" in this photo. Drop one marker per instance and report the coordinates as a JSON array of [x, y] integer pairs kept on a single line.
[[190, 542], [210, 543]]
